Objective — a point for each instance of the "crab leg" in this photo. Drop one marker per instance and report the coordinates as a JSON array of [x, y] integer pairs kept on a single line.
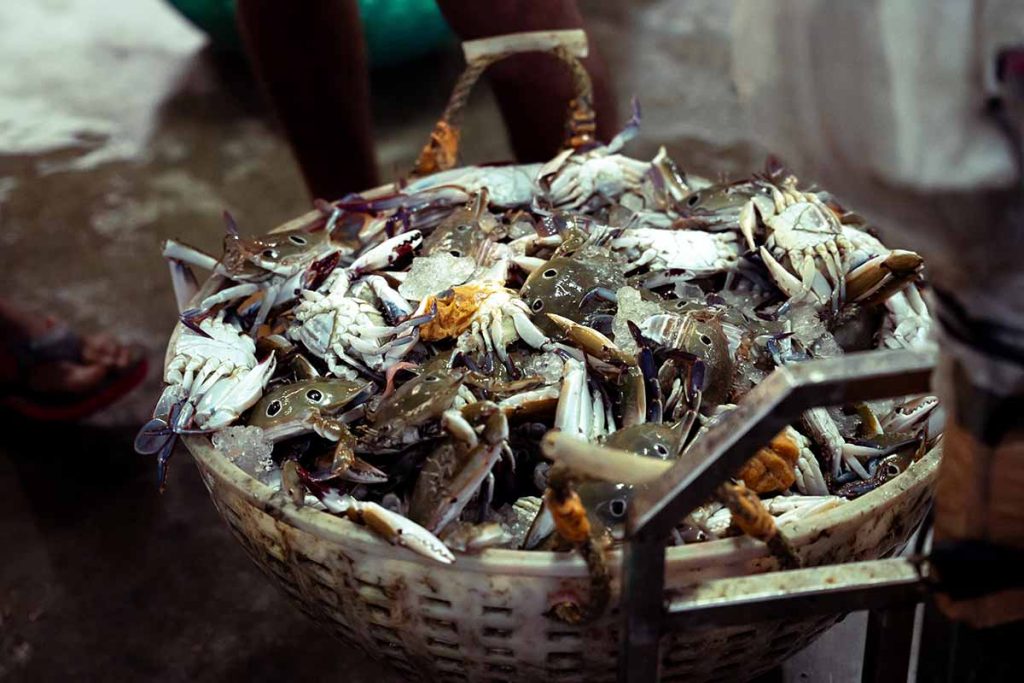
[[567, 415], [526, 330], [395, 528], [177, 251], [634, 409], [790, 285], [269, 298], [461, 489], [809, 479], [184, 282], [585, 411], [228, 294]]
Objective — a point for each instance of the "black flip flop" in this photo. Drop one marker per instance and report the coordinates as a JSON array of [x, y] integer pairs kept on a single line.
[[61, 343]]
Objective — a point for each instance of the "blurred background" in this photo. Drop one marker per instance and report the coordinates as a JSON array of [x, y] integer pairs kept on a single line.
[[122, 124]]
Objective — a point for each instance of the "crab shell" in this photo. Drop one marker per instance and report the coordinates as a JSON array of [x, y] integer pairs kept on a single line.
[[456, 308]]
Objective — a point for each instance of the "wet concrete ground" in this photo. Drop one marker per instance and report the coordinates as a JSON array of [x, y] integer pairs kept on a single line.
[[118, 129]]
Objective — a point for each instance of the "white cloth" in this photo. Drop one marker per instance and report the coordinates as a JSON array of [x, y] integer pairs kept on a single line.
[[883, 102], [888, 89]]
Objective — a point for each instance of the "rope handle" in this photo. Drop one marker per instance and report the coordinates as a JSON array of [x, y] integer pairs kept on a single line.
[[441, 151]]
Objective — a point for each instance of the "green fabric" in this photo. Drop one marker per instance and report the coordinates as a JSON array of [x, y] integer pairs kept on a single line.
[[395, 30]]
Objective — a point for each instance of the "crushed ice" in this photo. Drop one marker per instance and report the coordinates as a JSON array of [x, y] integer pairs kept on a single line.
[[435, 273], [632, 308], [247, 448]]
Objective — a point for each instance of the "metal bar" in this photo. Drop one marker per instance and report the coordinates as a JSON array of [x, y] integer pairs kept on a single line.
[[798, 593], [640, 629], [776, 402], [656, 509], [887, 648]]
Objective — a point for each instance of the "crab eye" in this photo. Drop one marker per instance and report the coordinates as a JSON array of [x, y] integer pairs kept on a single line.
[[892, 470], [661, 449], [692, 200], [314, 395], [431, 378], [617, 507], [549, 273], [705, 339], [269, 253], [296, 239], [537, 305], [680, 304], [274, 408], [463, 227], [455, 252]]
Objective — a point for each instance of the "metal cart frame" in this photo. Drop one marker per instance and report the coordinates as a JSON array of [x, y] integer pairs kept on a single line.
[[890, 587]]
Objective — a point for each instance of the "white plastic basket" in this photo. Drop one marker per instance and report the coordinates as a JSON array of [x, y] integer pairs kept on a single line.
[[483, 618]]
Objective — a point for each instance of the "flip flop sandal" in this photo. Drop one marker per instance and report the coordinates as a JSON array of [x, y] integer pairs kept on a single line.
[[61, 343]]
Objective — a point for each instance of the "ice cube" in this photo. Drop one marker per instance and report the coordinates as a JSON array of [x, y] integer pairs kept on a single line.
[[806, 324], [246, 447], [435, 273], [546, 365], [687, 291], [631, 308]]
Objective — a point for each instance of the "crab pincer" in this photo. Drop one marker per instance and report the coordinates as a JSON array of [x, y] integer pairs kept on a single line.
[[454, 473], [393, 527]]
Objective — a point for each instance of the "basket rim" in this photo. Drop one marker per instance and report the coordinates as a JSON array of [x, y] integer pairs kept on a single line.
[[533, 562]]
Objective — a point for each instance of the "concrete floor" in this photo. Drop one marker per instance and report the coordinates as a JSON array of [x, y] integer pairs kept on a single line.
[[118, 130]]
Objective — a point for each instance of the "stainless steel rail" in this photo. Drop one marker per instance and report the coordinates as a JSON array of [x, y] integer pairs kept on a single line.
[[778, 401]]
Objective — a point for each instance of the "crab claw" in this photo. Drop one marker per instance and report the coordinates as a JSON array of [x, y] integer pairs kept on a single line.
[[790, 285], [395, 528], [361, 472], [630, 130], [601, 462], [152, 437], [402, 531], [879, 278], [318, 271], [230, 224], [229, 397], [590, 340], [542, 527], [387, 253]]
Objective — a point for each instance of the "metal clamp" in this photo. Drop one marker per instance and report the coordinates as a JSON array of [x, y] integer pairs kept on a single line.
[[778, 401]]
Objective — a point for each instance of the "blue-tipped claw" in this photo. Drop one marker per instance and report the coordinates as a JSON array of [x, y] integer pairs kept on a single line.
[[152, 437], [191, 318]]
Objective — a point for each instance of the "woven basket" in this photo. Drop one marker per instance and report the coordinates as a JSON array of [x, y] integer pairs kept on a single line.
[[483, 618]]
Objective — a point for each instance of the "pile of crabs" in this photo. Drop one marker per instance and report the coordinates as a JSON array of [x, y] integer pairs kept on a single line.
[[399, 358]]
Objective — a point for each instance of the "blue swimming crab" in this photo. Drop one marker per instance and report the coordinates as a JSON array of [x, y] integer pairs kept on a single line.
[[213, 377], [273, 266], [312, 406]]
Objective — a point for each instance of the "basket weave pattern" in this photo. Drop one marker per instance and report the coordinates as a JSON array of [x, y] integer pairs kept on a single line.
[[482, 619]]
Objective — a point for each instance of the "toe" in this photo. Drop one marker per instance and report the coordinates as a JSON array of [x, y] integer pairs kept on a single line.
[[66, 377]]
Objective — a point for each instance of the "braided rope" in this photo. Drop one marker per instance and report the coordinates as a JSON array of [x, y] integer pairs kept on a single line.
[[441, 151]]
